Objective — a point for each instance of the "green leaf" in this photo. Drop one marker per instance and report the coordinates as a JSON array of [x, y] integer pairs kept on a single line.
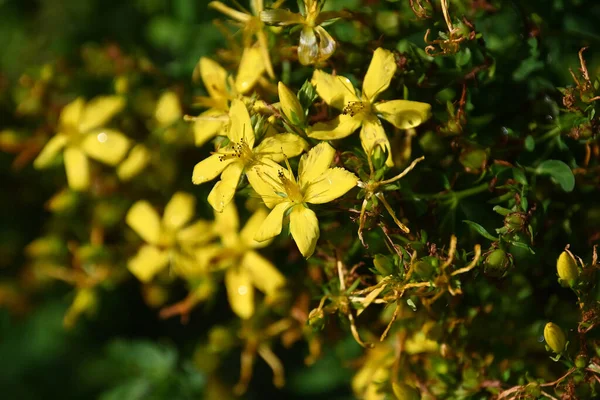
[[481, 230], [559, 172]]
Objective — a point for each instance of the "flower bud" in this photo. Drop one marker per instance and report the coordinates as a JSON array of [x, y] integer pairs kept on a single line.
[[566, 267], [474, 160], [316, 319], [554, 337], [581, 361], [379, 156], [290, 105], [496, 264], [515, 221]]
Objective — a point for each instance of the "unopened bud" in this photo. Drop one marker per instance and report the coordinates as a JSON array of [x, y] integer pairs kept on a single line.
[[290, 105], [554, 337], [316, 319], [566, 267], [581, 361], [515, 221], [380, 156], [496, 264]]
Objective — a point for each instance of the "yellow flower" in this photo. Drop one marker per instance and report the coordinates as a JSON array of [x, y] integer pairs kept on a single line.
[[317, 184], [170, 240], [134, 163], [245, 268], [252, 26], [221, 90], [81, 135], [316, 44], [240, 154], [338, 92], [168, 109]]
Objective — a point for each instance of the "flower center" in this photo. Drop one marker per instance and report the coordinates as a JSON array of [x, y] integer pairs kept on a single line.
[[356, 108], [241, 151], [291, 188]]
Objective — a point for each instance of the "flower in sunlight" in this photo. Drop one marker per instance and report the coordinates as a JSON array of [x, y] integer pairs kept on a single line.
[[245, 269], [252, 27], [317, 183], [316, 44], [221, 90], [81, 135], [172, 240], [240, 154], [363, 112]]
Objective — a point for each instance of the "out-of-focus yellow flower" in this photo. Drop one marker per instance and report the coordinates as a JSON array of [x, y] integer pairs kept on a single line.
[[168, 109], [338, 92], [80, 135], [240, 155], [252, 26], [221, 90], [374, 373], [316, 44], [245, 268], [85, 302], [136, 161], [172, 240], [317, 184]]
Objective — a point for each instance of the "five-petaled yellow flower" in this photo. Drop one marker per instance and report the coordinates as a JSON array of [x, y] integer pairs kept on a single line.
[[338, 92], [252, 26], [240, 155], [245, 269], [221, 90], [81, 135], [317, 184], [316, 44], [172, 240]]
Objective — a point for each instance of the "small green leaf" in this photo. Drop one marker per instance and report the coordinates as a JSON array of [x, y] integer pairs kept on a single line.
[[481, 230], [559, 172]]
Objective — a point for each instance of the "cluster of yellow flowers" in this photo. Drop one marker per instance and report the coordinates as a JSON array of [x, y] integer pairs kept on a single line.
[[255, 151]]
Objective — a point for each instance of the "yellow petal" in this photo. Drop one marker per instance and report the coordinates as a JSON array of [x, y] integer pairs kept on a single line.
[[404, 114], [227, 224], [179, 210], [50, 151], [263, 44], [214, 77], [208, 125], [290, 105], [230, 12], [71, 115], [280, 146], [145, 221], [308, 50], [326, 44], [264, 178], [272, 225], [148, 262], [100, 110], [334, 183], [336, 91], [78, 168], [222, 193], [251, 228], [252, 66], [135, 162], [304, 228], [338, 128], [372, 135], [280, 17], [264, 275], [168, 109], [199, 232], [240, 127], [106, 145], [380, 73], [209, 168], [240, 292], [314, 163]]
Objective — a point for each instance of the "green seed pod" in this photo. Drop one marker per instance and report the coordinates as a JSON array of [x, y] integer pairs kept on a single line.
[[474, 160], [566, 267], [496, 264], [555, 338], [423, 269], [515, 221], [581, 361]]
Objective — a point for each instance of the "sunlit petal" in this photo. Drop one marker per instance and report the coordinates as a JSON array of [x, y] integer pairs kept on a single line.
[[380, 73], [100, 110], [280, 146], [78, 168], [149, 261], [304, 228], [336, 91], [252, 66], [222, 193], [334, 183], [240, 291], [209, 168], [264, 275], [372, 134], [208, 125], [273, 224], [314, 163], [106, 145], [338, 128], [179, 210], [71, 115], [240, 127], [252, 226], [403, 114], [214, 77], [145, 221], [50, 151]]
